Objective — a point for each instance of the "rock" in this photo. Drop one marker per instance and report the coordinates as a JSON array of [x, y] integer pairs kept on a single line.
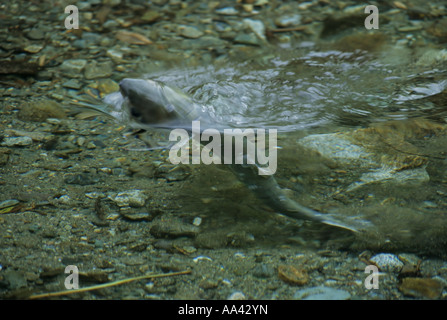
[[17, 141], [387, 262], [139, 216], [288, 20], [293, 275], [250, 39], [36, 34], [132, 198], [172, 227], [41, 110], [96, 70], [421, 288], [321, 293], [338, 147], [73, 67], [115, 54], [238, 295], [197, 221], [8, 203], [361, 41], [228, 11], [431, 57], [413, 177], [190, 32], [91, 38], [106, 86], [65, 154], [72, 84], [257, 27], [439, 29], [381, 153], [263, 271], [150, 16], [35, 135], [208, 284], [4, 156], [33, 48], [64, 199]]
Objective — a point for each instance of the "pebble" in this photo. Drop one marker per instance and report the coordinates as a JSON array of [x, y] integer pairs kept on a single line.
[[65, 199], [132, 198], [36, 34], [229, 11], [73, 67], [8, 203], [4, 156], [288, 20], [250, 39], [139, 216], [81, 179], [95, 195], [421, 288], [106, 86], [150, 16], [33, 48], [91, 145], [96, 70], [321, 293], [197, 221], [293, 275], [35, 135], [237, 295], [201, 258], [115, 54], [387, 262], [257, 27], [41, 110], [263, 271], [91, 38], [65, 154], [173, 228], [190, 32], [439, 28], [72, 84], [306, 5], [17, 141], [431, 57]]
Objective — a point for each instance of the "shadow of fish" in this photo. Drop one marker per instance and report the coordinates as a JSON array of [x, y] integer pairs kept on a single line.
[[145, 104]]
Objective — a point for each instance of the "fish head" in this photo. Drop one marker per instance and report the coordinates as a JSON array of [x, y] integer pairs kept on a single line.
[[145, 102]]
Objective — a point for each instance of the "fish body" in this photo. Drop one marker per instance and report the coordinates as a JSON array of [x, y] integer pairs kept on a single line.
[[143, 103]]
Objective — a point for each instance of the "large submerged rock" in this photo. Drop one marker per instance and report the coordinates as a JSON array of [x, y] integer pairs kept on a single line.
[[382, 153]]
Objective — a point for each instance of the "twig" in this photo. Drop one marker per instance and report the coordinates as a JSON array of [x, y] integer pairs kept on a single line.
[[106, 285]]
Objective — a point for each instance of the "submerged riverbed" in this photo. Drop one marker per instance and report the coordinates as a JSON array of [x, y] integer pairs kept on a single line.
[[361, 122]]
